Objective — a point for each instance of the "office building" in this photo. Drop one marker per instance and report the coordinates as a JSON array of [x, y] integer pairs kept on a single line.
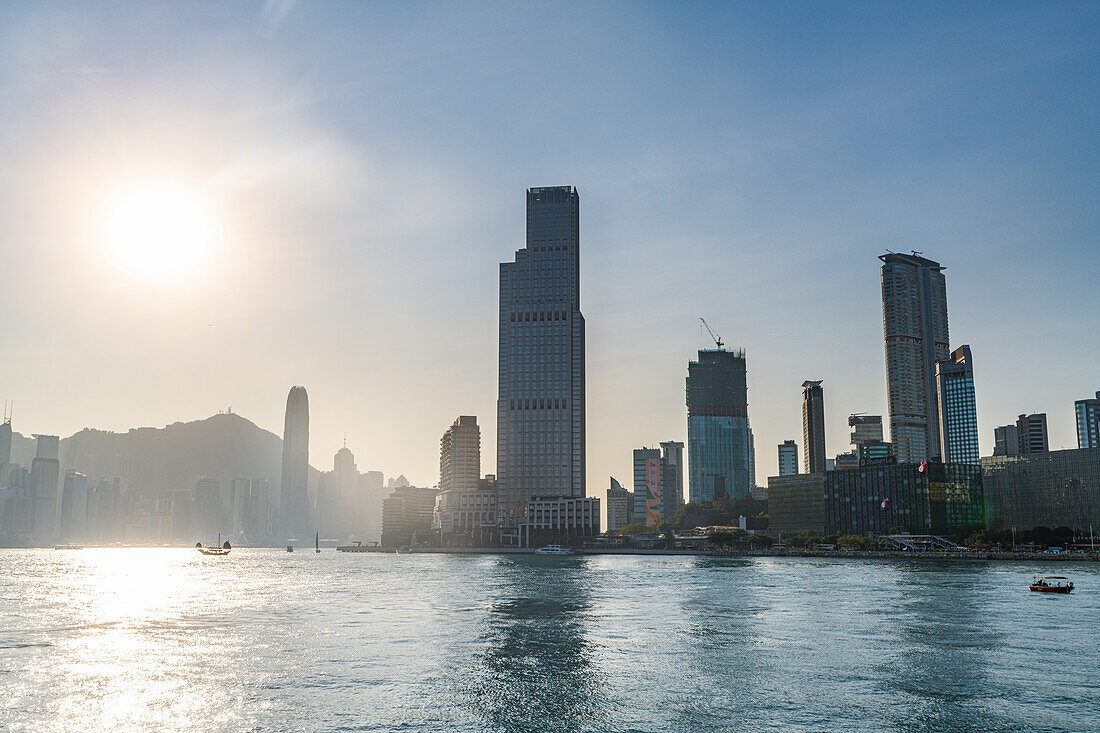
[[467, 517], [1031, 431], [407, 516], [260, 522], [1044, 489], [958, 412], [914, 319], [647, 486], [460, 455], [294, 519], [796, 503], [788, 459], [620, 506], [813, 426], [672, 477], [864, 428], [556, 521], [74, 506], [1006, 441], [720, 452], [5, 448], [918, 498], [1086, 412], [45, 478], [541, 397]]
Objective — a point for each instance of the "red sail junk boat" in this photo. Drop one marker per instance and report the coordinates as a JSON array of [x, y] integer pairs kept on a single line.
[[1051, 584]]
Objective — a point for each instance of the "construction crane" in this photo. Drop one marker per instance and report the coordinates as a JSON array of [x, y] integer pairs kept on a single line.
[[713, 335]]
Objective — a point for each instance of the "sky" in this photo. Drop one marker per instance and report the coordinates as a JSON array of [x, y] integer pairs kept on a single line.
[[361, 170]]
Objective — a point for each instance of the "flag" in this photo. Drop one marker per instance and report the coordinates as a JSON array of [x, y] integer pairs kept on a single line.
[[885, 504]]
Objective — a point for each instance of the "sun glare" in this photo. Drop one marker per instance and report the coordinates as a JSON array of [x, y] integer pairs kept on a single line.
[[159, 232]]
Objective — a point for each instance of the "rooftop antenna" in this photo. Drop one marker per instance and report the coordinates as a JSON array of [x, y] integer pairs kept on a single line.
[[713, 335]]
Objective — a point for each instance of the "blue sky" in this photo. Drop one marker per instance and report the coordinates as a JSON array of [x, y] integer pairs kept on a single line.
[[367, 163]]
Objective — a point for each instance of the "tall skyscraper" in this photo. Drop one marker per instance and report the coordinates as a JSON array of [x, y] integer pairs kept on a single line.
[[1032, 433], [672, 477], [788, 458], [720, 452], [541, 399], [958, 413], [1006, 441], [620, 506], [460, 455], [813, 426], [294, 520], [45, 477], [1086, 411], [5, 448], [914, 321], [648, 508]]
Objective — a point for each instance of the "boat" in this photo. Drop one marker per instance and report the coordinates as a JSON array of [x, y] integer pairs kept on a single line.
[[216, 550], [403, 550], [1051, 584], [290, 548], [317, 542], [553, 550], [68, 547]]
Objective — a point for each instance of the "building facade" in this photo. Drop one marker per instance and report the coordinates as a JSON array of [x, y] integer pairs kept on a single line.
[[557, 521], [720, 450], [788, 459], [914, 319], [1046, 489], [672, 477], [1087, 416], [541, 391], [796, 503], [1031, 430], [407, 516], [958, 412], [648, 508], [460, 455], [813, 426], [1006, 441], [620, 506], [294, 514], [466, 517]]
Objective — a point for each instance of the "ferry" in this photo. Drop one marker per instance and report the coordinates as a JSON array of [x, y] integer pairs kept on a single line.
[[68, 547], [1051, 584], [217, 550], [553, 550], [403, 550]]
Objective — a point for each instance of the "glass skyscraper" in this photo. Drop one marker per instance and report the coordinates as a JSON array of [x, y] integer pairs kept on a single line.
[[720, 450], [914, 320], [813, 426], [1087, 413], [294, 519], [540, 404], [957, 411]]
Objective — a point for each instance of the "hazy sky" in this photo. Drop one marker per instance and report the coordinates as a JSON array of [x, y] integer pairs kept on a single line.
[[363, 166]]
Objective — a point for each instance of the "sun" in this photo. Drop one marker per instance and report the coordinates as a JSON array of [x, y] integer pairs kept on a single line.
[[159, 231]]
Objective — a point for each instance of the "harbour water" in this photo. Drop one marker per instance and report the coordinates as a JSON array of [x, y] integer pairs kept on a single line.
[[165, 639]]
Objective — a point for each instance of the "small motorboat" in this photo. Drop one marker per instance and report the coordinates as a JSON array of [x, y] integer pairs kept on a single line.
[[1051, 584], [290, 548], [553, 550], [403, 550], [215, 551]]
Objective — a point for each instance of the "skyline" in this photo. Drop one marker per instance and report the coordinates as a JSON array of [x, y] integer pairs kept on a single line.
[[379, 345]]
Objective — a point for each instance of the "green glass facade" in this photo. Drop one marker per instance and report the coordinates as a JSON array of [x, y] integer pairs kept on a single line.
[[1053, 489]]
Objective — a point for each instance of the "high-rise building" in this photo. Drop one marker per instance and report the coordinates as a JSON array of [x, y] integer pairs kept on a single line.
[[460, 455], [294, 519], [720, 452], [1006, 441], [813, 426], [958, 413], [672, 477], [914, 320], [1086, 411], [541, 394], [407, 516], [864, 428], [788, 459], [5, 448], [1058, 488], [648, 508], [1031, 430], [74, 505], [44, 480], [620, 506]]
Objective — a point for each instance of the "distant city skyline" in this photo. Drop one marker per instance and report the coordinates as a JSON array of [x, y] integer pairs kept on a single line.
[[367, 232]]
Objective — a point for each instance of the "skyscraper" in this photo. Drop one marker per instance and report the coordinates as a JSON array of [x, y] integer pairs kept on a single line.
[[865, 428], [294, 520], [720, 452], [813, 426], [672, 476], [541, 398], [5, 448], [1006, 441], [460, 455], [1086, 411], [648, 508], [45, 477], [1032, 433], [914, 321], [788, 458], [620, 506], [957, 410]]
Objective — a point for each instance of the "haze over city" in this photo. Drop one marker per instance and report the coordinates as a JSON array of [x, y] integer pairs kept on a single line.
[[347, 180]]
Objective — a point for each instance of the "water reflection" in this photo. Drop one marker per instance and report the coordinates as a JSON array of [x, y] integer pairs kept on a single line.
[[536, 670]]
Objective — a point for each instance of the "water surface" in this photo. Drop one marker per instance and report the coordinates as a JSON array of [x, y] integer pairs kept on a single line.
[[165, 639]]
